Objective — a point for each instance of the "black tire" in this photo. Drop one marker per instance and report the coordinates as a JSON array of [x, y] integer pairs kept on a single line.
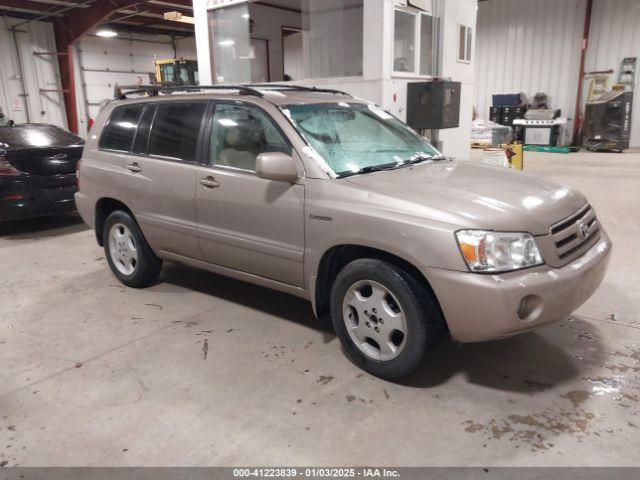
[[425, 323], [148, 266]]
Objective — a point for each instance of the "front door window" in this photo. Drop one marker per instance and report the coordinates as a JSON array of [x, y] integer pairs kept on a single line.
[[240, 133]]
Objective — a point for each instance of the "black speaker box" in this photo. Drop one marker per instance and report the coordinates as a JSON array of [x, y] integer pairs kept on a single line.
[[433, 105]]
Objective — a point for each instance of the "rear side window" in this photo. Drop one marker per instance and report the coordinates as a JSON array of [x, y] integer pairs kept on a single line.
[[122, 126], [142, 137], [175, 130]]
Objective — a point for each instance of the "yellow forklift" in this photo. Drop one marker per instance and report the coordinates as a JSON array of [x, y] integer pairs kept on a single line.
[[176, 72]]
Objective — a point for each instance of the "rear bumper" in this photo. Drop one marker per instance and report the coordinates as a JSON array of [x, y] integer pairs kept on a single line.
[[85, 208], [487, 307], [26, 197]]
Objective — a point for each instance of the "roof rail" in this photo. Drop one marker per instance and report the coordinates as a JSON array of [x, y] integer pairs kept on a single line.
[[121, 92], [276, 86]]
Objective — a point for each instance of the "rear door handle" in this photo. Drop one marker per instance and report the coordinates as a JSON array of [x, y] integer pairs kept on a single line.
[[134, 167], [209, 182]]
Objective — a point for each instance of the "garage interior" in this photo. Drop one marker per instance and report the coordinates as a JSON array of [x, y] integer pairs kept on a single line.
[[202, 370]]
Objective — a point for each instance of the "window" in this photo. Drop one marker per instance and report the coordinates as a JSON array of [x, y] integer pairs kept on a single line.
[[426, 45], [335, 36], [142, 137], [404, 50], [465, 40], [168, 74], [175, 129], [414, 50], [182, 72], [119, 133], [240, 133], [327, 40]]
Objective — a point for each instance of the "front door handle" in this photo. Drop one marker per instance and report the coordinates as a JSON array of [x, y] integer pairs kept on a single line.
[[134, 167], [209, 182]]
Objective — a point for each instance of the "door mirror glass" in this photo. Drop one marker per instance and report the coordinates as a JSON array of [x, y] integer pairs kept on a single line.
[[276, 166]]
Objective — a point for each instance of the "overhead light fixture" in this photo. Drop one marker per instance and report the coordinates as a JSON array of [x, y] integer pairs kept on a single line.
[[226, 43], [106, 33]]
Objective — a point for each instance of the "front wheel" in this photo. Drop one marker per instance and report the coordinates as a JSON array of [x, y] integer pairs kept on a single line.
[[128, 253], [386, 319]]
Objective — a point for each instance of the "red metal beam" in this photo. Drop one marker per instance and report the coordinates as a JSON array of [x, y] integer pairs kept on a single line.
[[144, 21], [151, 30], [79, 22], [69, 29], [186, 3], [160, 10], [578, 117]]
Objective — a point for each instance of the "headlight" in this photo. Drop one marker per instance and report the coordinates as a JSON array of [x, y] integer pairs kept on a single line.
[[498, 251]]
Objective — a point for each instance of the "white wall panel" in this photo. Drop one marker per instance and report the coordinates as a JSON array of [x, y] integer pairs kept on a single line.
[[455, 141], [40, 72], [615, 34], [186, 47], [103, 63], [530, 47]]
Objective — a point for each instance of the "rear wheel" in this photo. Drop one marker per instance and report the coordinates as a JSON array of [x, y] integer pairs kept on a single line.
[[128, 253], [386, 319]]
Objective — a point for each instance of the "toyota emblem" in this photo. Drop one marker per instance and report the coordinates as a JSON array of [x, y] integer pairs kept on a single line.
[[584, 230]]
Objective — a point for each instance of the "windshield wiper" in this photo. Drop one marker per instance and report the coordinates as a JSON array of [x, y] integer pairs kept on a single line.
[[426, 158], [370, 169], [393, 166]]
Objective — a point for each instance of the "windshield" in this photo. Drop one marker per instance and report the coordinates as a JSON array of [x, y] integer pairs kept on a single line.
[[356, 136]]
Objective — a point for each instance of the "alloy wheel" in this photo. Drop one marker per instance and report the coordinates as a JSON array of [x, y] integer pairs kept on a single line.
[[375, 320], [122, 248]]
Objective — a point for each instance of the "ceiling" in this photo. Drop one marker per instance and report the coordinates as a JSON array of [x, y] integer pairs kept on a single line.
[[143, 17]]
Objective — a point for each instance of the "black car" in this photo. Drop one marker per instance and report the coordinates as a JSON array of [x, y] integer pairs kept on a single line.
[[37, 170]]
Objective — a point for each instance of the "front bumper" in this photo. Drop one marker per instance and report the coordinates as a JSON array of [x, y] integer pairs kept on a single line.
[[481, 307]]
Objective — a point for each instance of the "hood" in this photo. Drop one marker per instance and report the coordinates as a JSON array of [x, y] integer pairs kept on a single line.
[[473, 195]]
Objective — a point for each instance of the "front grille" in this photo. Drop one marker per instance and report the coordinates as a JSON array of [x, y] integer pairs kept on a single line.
[[573, 219], [576, 234]]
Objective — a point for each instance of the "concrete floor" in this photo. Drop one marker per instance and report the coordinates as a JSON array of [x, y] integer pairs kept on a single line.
[[202, 370]]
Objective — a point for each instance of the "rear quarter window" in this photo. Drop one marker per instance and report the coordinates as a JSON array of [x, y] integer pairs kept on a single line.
[[121, 128]]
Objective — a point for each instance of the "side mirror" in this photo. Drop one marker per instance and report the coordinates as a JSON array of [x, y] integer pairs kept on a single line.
[[276, 166]]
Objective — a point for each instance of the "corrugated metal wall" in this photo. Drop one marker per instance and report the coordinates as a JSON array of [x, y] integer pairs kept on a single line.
[[40, 72], [535, 46], [530, 47], [615, 34]]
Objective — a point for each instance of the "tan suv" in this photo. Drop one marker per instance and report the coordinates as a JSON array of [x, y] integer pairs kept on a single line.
[[330, 198]]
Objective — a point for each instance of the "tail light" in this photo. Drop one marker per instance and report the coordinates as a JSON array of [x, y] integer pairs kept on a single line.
[[6, 169]]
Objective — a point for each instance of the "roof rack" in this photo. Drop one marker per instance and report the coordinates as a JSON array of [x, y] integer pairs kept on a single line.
[[276, 86], [121, 92]]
